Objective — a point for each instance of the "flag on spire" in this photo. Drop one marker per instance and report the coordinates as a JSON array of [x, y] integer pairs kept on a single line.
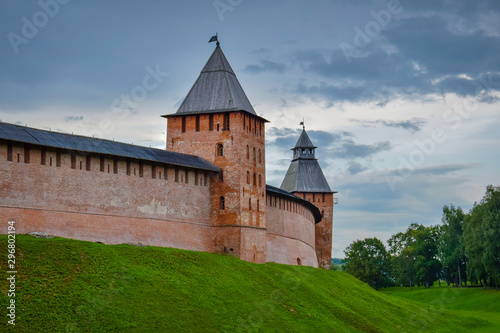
[[214, 39]]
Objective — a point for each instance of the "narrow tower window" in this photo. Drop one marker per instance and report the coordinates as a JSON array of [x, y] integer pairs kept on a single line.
[[73, 161], [101, 164], [197, 123], [9, 151], [87, 163], [26, 153], [141, 169], [43, 156], [210, 122], [226, 121], [115, 165], [58, 158], [222, 203], [249, 203], [153, 171], [248, 177], [248, 152], [260, 156], [220, 149], [183, 129]]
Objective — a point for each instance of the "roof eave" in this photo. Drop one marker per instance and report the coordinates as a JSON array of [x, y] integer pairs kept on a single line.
[[190, 113]]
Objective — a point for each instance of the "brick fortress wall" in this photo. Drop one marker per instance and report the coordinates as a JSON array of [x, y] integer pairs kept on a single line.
[[324, 229], [105, 199], [290, 232]]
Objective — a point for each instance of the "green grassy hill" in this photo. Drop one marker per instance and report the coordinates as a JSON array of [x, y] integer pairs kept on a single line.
[[73, 286], [477, 302]]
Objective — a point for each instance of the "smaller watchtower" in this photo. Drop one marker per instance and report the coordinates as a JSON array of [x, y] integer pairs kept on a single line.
[[305, 179]]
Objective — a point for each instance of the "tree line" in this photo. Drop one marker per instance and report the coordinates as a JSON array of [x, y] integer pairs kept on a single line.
[[465, 247]]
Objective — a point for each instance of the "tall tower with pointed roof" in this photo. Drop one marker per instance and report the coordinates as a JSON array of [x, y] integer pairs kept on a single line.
[[305, 179], [217, 122]]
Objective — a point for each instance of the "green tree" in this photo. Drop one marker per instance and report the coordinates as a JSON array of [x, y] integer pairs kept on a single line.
[[368, 261], [414, 255], [491, 233], [451, 245], [474, 242]]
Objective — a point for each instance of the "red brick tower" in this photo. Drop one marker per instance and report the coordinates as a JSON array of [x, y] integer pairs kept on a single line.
[[305, 179], [217, 122]]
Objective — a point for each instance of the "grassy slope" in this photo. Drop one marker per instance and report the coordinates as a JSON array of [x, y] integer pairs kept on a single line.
[[68, 285], [472, 302]]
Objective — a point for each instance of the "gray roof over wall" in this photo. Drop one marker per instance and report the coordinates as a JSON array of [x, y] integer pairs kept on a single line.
[[99, 146], [216, 90], [279, 192]]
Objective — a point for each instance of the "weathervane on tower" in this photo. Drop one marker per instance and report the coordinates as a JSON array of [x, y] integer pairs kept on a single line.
[[215, 39]]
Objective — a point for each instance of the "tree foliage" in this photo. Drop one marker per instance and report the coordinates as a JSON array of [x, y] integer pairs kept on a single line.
[[482, 238], [369, 261], [414, 255], [451, 245], [465, 247]]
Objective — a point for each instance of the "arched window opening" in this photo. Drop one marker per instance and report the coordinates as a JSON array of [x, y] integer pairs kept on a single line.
[[260, 156], [260, 180], [248, 152], [219, 150], [250, 204], [254, 158], [254, 179], [248, 177]]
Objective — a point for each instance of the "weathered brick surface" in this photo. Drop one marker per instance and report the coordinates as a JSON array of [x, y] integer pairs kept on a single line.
[[324, 229], [103, 205], [290, 232]]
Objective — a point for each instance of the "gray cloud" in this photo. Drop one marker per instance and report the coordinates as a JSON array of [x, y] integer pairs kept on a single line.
[[355, 168], [415, 56], [73, 118], [444, 169], [350, 149], [413, 125], [265, 66], [336, 145]]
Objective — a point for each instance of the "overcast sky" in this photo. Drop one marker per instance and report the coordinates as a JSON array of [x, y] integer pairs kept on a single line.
[[401, 98]]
